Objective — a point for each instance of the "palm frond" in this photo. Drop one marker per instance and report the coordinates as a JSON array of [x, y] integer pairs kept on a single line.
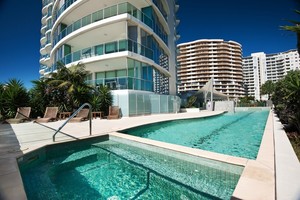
[[291, 28]]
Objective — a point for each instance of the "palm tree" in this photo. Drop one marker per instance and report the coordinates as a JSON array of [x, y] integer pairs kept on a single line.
[[286, 99], [104, 98], [70, 85], [13, 95], [292, 86], [40, 96], [292, 97], [295, 28]]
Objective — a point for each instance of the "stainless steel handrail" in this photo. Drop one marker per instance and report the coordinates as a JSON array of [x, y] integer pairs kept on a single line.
[[75, 113]]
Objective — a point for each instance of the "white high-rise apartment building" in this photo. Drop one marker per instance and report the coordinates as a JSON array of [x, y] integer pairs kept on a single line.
[[201, 60], [260, 67], [128, 45], [254, 74]]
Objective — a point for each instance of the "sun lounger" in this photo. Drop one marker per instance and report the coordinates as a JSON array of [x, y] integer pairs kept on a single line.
[[21, 115], [114, 112], [82, 115], [50, 115]]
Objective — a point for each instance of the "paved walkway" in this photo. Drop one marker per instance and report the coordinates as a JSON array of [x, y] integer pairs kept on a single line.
[[287, 165]]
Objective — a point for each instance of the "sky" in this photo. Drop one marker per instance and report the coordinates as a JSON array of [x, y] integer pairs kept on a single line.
[[254, 24]]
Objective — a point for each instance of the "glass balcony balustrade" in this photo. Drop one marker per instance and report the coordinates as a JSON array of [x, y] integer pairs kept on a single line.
[[44, 56], [107, 48], [46, 2], [110, 12], [160, 6], [124, 83], [43, 67], [67, 4]]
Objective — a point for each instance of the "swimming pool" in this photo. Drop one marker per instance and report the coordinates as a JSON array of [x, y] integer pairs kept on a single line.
[[236, 134], [112, 168]]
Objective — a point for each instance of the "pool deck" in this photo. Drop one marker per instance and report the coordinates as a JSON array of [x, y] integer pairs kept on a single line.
[[275, 174]]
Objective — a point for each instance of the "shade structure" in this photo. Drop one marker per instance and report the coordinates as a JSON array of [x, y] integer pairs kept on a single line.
[[208, 91]]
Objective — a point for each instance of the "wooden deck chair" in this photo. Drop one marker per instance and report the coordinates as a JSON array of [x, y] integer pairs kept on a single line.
[[113, 112], [50, 115], [82, 115], [21, 115]]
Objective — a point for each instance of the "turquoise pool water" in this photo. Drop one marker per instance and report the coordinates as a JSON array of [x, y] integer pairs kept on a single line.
[[237, 134], [113, 169]]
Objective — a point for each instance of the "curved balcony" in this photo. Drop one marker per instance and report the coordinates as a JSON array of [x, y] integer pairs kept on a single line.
[[43, 29], [43, 40], [161, 15], [42, 60], [43, 50], [64, 7], [48, 19], [44, 9], [42, 71], [125, 83], [43, 21], [45, 60], [176, 7], [48, 31], [111, 12], [48, 48], [108, 48]]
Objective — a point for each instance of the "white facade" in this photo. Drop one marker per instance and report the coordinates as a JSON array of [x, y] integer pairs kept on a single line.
[[260, 67], [129, 46]]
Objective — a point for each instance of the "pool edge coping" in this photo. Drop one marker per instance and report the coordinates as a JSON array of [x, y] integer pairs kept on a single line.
[[259, 174]]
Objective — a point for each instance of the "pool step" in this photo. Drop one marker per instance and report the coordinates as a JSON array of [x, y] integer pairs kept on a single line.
[[196, 177], [90, 158]]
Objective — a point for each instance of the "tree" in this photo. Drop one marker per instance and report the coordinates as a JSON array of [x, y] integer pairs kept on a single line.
[[40, 97], [278, 98], [292, 87], [268, 88], [13, 95], [295, 28], [104, 98], [286, 99], [69, 85]]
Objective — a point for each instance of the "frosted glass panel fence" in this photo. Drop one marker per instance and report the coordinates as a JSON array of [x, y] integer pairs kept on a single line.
[[140, 103]]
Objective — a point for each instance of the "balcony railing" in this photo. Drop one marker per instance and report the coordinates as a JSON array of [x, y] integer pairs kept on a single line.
[[46, 2], [110, 12], [122, 83], [107, 48], [64, 7]]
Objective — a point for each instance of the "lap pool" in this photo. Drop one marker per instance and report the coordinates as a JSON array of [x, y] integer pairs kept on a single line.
[[236, 134], [109, 167]]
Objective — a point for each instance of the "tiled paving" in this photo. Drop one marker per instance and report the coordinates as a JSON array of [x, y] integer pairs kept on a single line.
[[258, 175]]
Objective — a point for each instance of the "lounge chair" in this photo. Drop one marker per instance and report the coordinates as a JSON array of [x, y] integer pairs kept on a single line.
[[50, 115], [113, 112], [82, 115], [21, 115]]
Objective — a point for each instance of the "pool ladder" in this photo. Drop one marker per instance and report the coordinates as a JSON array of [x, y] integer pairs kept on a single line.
[[73, 115]]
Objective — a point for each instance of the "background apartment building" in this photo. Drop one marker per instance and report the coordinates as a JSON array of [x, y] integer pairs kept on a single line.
[[129, 46], [201, 60], [260, 67]]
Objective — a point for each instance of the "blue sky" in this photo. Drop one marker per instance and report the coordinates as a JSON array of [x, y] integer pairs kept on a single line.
[[254, 24]]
